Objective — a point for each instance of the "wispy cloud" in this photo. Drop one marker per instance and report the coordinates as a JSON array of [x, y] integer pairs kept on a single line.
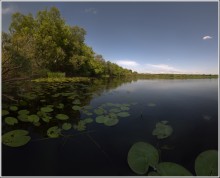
[[91, 10], [162, 68], [206, 37], [8, 9], [127, 63]]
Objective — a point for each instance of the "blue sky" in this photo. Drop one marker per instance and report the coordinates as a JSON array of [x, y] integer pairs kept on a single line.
[[148, 37]]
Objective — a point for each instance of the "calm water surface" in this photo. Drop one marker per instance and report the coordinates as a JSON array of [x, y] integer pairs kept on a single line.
[[190, 106]]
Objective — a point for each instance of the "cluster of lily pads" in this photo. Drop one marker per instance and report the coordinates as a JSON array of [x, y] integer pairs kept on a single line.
[[143, 155], [107, 114]]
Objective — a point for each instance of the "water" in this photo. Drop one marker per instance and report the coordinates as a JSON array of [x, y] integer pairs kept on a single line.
[[189, 106]]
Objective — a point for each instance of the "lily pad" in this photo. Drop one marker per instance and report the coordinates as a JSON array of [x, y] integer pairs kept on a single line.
[[66, 126], [101, 119], [206, 163], [76, 108], [142, 155], [33, 118], [172, 169], [23, 117], [81, 126], [123, 114], [115, 110], [111, 122], [5, 112], [11, 120], [46, 109], [60, 106], [13, 108], [88, 120], [99, 111], [23, 112], [162, 130], [16, 138], [53, 132], [77, 101], [124, 108], [62, 116]]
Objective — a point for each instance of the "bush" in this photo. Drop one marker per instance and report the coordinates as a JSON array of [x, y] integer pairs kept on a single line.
[[56, 75]]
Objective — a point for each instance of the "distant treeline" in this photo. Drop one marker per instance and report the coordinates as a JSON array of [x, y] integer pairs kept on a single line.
[[175, 76]]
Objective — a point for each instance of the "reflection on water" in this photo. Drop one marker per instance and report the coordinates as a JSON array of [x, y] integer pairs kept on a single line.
[[190, 107]]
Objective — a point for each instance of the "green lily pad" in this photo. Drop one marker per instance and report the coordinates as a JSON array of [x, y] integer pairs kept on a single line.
[[33, 118], [37, 124], [23, 103], [142, 155], [13, 108], [76, 108], [5, 112], [11, 120], [81, 126], [26, 112], [123, 114], [46, 109], [66, 126], [172, 169], [101, 119], [23, 117], [77, 101], [62, 116], [114, 110], [53, 132], [88, 120], [60, 106], [99, 111], [16, 138], [111, 121], [124, 108], [162, 130], [46, 118], [206, 163]]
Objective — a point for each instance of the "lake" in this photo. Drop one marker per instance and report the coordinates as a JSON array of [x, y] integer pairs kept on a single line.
[[189, 106]]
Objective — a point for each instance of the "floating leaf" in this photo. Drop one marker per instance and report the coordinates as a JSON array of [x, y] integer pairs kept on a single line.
[[206, 163], [81, 126], [46, 118], [11, 120], [13, 108], [172, 169], [88, 120], [66, 126], [101, 119], [162, 130], [16, 138], [111, 121], [5, 112], [33, 118], [123, 114], [77, 101], [53, 132], [46, 109], [151, 104], [76, 107], [62, 117], [60, 106], [23, 118], [37, 124], [23, 103], [142, 155], [124, 108], [99, 111], [26, 112], [114, 110]]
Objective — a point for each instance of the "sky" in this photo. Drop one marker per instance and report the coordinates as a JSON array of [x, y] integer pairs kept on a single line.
[[147, 37]]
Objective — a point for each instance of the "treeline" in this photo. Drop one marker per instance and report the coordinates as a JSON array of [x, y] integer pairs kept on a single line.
[[175, 76], [45, 43]]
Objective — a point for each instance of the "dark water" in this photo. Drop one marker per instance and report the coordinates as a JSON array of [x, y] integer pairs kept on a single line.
[[186, 104]]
